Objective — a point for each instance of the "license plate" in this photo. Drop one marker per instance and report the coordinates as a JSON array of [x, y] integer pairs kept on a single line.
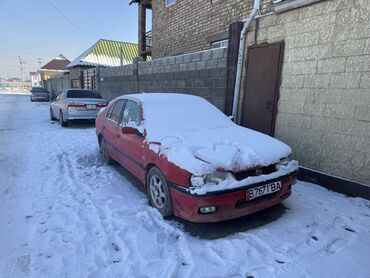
[[90, 106], [264, 190]]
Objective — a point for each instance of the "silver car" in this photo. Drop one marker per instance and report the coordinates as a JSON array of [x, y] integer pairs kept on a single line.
[[76, 104]]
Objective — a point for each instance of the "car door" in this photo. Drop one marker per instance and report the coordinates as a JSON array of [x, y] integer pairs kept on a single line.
[[55, 105], [111, 128], [131, 145]]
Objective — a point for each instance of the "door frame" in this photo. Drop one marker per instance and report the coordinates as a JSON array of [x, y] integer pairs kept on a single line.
[[278, 80]]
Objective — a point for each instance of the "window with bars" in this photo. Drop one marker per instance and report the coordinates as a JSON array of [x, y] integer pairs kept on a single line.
[[220, 44]]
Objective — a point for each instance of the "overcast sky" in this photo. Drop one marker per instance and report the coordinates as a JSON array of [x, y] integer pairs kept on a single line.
[[44, 29]]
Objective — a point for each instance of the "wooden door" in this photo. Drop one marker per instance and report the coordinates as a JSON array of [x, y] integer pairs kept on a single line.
[[261, 90]]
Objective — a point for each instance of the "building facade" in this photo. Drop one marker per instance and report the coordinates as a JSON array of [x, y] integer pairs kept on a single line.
[[187, 26], [312, 57]]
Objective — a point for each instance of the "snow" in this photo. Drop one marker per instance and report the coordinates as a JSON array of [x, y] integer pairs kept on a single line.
[[63, 213], [232, 183], [197, 137]]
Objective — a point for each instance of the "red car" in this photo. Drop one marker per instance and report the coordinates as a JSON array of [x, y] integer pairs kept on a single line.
[[194, 161]]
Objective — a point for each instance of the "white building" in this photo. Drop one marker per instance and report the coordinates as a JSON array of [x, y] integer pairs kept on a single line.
[[35, 79]]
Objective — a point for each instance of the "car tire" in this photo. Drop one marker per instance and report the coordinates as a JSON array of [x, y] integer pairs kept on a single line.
[[62, 122], [158, 192], [104, 153], [52, 118]]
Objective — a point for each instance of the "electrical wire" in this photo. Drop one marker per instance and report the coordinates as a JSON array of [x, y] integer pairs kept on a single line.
[[65, 17]]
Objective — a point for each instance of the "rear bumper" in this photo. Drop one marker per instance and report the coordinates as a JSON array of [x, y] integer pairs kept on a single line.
[[34, 98], [74, 114], [231, 204]]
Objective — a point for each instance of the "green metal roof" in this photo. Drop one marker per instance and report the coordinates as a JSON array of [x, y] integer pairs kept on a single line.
[[106, 53]]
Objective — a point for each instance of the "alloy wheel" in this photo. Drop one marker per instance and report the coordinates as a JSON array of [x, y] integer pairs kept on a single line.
[[157, 192]]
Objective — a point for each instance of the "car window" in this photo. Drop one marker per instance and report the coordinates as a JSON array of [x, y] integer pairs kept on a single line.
[[111, 110], [116, 112], [82, 94], [59, 96], [37, 90], [131, 114]]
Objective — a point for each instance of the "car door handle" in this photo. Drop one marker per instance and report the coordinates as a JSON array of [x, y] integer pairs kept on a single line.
[[103, 127], [118, 136]]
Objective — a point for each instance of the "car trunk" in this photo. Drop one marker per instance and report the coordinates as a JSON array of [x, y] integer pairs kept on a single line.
[[86, 103]]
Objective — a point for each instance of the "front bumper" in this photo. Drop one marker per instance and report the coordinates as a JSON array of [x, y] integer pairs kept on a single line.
[[230, 203]]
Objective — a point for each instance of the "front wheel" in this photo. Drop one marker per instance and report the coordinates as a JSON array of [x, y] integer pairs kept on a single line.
[[158, 192], [62, 122]]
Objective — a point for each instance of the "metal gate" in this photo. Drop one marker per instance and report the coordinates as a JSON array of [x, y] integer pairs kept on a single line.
[[261, 90], [89, 79]]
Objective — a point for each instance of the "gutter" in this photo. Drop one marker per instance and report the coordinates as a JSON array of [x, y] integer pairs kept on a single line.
[[241, 54]]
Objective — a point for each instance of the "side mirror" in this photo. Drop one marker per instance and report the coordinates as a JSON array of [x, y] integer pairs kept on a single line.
[[130, 130]]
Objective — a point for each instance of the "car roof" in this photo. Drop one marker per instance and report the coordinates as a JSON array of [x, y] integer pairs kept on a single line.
[[160, 97], [78, 89]]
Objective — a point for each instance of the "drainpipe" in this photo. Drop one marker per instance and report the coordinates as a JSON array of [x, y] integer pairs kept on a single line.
[[239, 69]]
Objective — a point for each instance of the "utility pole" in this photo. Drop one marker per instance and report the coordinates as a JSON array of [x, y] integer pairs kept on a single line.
[[21, 64], [40, 62]]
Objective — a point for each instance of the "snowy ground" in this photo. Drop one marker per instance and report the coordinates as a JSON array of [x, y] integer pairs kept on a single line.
[[65, 214]]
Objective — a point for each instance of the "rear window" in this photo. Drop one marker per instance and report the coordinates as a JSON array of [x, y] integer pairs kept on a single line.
[[39, 90], [82, 94]]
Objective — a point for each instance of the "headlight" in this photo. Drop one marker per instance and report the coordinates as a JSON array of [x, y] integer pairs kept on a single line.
[[215, 178], [283, 162]]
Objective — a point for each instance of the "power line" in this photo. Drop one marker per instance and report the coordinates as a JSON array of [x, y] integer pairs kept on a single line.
[[65, 17], [29, 52]]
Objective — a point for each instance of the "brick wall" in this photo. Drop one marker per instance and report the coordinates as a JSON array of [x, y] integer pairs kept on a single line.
[[324, 105], [185, 26], [202, 73]]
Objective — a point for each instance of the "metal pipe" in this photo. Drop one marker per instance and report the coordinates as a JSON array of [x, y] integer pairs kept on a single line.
[[239, 69]]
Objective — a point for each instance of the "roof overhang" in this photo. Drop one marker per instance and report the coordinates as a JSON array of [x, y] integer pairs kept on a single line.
[[146, 3]]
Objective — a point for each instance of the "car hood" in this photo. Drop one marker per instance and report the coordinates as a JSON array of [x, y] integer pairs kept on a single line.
[[231, 148]]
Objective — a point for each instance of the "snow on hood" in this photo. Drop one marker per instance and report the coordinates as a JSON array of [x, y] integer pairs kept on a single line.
[[196, 136], [230, 148]]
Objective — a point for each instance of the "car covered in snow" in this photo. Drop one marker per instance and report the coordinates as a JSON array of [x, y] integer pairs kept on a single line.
[[195, 162], [76, 104]]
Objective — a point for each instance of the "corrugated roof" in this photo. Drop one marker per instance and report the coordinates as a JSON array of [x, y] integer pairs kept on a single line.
[[58, 64], [106, 53]]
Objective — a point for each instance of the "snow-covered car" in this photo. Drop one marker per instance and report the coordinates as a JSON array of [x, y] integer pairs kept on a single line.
[[76, 104], [194, 161]]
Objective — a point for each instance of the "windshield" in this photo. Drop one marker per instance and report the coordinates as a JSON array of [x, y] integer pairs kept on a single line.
[[82, 94]]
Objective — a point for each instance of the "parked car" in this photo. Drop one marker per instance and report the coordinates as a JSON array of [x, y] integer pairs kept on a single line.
[[194, 161], [39, 94], [76, 104]]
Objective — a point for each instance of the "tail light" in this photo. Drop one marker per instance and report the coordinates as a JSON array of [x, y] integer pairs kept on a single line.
[[101, 105], [73, 104]]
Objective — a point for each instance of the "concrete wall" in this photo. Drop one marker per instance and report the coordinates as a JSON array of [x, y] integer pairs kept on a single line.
[[201, 73], [58, 83], [324, 105], [188, 26]]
